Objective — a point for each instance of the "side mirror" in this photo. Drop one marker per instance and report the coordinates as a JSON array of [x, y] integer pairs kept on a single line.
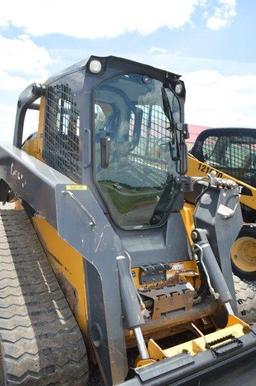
[[105, 148]]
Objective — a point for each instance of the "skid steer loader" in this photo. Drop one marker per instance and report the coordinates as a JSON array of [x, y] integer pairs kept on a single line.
[[95, 263], [231, 153]]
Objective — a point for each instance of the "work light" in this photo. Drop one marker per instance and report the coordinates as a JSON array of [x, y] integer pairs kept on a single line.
[[95, 66]]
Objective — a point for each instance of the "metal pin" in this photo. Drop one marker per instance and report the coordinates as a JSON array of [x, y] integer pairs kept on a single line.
[[141, 343], [229, 308]]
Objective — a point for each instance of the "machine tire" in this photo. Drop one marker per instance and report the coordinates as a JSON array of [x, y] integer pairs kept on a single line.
[[245, 240], [40, 341], [246, 299]]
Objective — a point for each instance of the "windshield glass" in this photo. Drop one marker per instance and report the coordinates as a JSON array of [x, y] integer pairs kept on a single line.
[[130, 118]]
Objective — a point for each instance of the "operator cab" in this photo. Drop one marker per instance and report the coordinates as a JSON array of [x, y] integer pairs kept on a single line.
[[123, 118], [132, 152]]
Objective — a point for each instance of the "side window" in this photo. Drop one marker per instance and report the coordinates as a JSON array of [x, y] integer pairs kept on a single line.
[[62, 128], [233, 154], [209, 150], [238, 155]]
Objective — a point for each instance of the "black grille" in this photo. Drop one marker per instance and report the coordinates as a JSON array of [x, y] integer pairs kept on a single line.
[[234, 155], [62, 126]]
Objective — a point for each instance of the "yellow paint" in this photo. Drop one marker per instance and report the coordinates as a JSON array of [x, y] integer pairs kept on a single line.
[[136, 276], [34, 146], [76, 187], [234, 320], [243, 254], [198, 345], [66, 260], [31, 146], [187, 213], [18, 205], [143, 362], [235, 327], [199, 169], [187, 269], [155, 350]]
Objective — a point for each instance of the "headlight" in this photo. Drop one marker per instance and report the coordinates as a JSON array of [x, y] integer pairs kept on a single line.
[[95, 66], [178, 88]]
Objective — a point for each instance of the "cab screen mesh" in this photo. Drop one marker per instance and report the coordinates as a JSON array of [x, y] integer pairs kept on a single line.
[[61, 136], [234, 155], [150, 140]]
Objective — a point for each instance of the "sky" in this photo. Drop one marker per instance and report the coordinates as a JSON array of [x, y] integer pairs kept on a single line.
[[209, 42]]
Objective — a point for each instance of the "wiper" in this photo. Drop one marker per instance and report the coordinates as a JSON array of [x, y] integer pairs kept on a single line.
[[171, 198], [166, 200], [167, 107], [174, 143]]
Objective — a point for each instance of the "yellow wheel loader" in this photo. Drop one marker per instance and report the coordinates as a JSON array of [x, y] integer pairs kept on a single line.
[[96, 268], [231, 153]]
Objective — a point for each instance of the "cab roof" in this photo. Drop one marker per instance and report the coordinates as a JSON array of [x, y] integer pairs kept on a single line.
[[108, 60]]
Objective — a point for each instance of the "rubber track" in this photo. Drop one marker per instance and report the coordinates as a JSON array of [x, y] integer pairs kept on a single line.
[[41, 343], [246, 299]]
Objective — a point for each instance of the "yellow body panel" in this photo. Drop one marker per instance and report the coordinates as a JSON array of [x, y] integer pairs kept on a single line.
[[34, 146], [187, 269], [66, 262], [199, 345], [136, 277], [187, 213], [235, 328], [197, 168]]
